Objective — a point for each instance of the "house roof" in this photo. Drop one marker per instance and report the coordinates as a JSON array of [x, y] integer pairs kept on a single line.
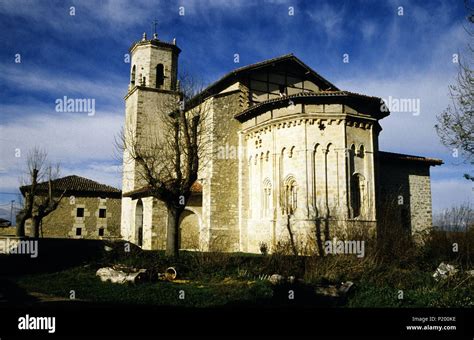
[[234, 75], [4, 222], [391, 156], [196, 188], [78, 185], [373, 104]]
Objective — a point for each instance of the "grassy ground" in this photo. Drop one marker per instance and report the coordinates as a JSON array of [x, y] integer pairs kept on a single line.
[[376, 286], [196, 293], [400, 277]]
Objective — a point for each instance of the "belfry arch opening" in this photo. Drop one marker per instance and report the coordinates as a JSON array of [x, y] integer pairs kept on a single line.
[[160, 76], [132, 78]]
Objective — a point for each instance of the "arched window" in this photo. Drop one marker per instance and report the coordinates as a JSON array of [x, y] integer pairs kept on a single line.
[[361, 151], [291, 197], [357, 182], [139, 223], [292, 152], [316, 179], [132, 80], [160, 76], [352, 155], [353, 150], [267, 194]]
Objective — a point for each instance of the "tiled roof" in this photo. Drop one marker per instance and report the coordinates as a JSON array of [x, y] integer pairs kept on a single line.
[[391, 156], [196, 188], [270, 61], [284, 100], [223, 81], [76, 184]]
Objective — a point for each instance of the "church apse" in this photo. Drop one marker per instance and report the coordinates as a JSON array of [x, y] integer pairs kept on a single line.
[[305, 156]]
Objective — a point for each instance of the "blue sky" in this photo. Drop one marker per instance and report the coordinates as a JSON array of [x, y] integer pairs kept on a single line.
[[82, 56]]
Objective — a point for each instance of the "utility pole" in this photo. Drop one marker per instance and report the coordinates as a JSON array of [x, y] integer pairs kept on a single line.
[[11, 213]]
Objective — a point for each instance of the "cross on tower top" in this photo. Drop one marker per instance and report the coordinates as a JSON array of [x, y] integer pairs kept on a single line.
[[154, 23]]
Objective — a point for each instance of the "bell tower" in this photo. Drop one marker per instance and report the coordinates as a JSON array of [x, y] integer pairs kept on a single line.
[[152, 87], [153, 83], [154, 64]]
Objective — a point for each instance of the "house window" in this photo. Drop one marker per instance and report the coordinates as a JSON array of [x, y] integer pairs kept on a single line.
[[102, 213], [78, 231], [80, 212], [101, 231]]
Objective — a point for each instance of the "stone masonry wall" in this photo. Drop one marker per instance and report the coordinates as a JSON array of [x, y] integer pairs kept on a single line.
[[421, 208], [405, 196], [223, 179], [63, 222]]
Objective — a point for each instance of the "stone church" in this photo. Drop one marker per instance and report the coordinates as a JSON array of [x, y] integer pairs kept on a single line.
[[291, 148]]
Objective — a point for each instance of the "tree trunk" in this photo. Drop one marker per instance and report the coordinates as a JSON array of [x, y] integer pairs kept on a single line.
[[172, 234], [28, 208], [319, 238], [292, 239], [20, 228], [36, 226]]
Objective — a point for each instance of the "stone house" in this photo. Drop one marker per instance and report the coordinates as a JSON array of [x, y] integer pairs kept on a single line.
[[290, 149], [88, 210]]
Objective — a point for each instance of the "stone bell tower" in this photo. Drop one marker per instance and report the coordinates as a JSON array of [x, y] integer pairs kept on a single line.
[[153, 86], [154, 64], [153, 83]]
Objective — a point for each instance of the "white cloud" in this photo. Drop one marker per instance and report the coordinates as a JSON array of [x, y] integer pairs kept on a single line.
[[89, 18], [329, 18], [368, 30], [447, 193], [83, 145], [71, 139], [403, 131], [428, 83], [110, 88]]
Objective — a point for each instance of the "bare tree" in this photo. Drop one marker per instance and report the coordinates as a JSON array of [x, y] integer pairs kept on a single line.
[[169, 157], [456, 124], [40, 196], [287, 207], [457, 218]]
